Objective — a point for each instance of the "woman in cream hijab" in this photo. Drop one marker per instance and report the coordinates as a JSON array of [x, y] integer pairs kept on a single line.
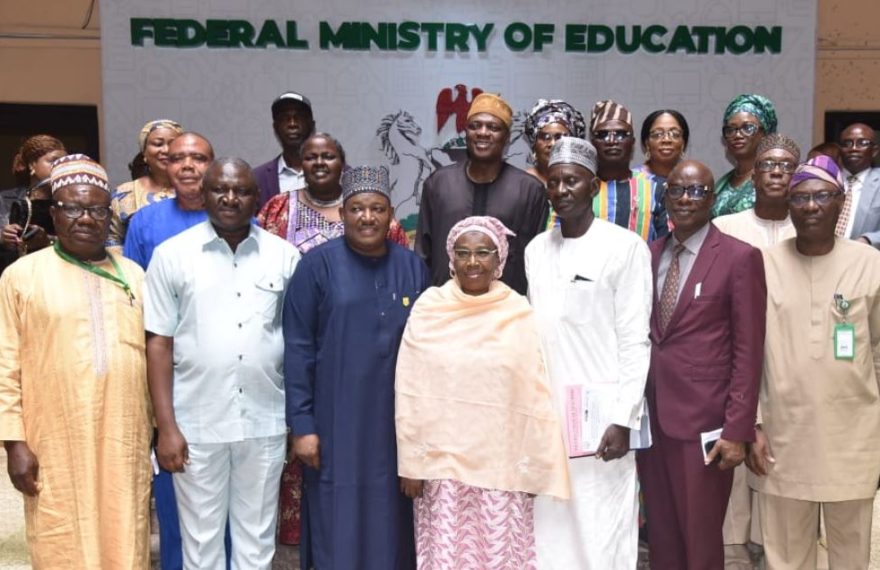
[[477, 434]]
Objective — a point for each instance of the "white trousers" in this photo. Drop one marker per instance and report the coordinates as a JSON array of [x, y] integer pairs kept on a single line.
[[239, 481]]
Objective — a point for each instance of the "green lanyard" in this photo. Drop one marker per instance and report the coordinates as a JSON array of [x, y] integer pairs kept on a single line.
[[120, 280]]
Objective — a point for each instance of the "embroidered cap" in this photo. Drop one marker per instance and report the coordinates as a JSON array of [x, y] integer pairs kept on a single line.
[[291, 96], [365, 179], [609, 110], [572, 150], [78, 169]]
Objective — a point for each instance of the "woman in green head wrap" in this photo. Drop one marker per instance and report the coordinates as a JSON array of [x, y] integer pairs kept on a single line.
[[747, 120]]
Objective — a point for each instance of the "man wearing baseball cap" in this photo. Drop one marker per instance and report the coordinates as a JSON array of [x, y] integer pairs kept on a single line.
[[292, 122]]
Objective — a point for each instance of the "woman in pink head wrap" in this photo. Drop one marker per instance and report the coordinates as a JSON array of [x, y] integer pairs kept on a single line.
[[477, 435]]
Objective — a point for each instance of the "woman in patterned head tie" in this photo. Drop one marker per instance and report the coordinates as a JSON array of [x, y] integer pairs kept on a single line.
[[747, 120], [151, 182], [548, 121]]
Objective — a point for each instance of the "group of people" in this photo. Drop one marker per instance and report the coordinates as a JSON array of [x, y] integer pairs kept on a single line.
[[560, 342]]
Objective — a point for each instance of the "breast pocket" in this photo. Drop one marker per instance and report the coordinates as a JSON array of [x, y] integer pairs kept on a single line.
[[268, 296], [581, 299]]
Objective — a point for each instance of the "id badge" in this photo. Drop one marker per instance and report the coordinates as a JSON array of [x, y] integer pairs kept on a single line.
[[844, 341]]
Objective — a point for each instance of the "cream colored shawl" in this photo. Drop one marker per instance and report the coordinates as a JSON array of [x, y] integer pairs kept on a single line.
[[472, 400]]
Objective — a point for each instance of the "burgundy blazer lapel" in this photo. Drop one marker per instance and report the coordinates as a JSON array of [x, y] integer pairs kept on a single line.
[[702, 264], [657, 247]]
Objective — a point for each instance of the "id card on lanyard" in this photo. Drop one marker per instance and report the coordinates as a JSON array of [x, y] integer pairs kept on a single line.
[[844, 333]]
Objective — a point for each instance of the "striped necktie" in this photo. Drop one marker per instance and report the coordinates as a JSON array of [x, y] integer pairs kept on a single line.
[[843, 220], [669, 295]]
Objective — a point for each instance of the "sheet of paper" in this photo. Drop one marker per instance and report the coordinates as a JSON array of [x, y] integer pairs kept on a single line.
[[709, 437], [588, 415]]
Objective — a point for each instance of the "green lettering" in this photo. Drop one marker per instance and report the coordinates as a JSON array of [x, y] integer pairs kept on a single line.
[[518, 36], [720, 44], [409, 36], [270, 34], [599, 38], [481, 35], [768, 39], [574, 37], [293, 41], [241, 34], [432, 28], [165, 31], [342, 37], [217, 33], [740, 39], [141, 28], [682, 39], [370, 35], [543, 35], [648, 38], [701, 36], [624, 46], [457, 37], [190, 33]]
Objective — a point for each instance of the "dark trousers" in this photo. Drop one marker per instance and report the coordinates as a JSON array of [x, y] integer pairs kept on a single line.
[[685, 503]]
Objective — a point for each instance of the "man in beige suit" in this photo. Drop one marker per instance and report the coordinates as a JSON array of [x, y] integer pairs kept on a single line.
[[818, 442]]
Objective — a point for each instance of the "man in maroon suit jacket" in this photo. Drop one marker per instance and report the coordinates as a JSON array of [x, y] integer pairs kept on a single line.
[[707, 334]]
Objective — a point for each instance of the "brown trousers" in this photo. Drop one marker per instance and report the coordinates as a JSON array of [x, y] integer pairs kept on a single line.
[[789, 529]]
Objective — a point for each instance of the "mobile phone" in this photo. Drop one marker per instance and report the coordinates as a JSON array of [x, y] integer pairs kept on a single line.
[[30, 232]]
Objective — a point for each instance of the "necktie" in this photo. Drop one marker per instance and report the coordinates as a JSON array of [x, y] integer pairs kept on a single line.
[[843, 220], [669, 295]]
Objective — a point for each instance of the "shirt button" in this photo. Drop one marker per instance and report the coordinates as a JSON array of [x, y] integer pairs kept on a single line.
[[237, 294], [240, 357], [234, 264], [239, 325], [240, 391]]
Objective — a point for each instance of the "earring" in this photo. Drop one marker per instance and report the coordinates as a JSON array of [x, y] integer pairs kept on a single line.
[[683, 155], [498, 272], [647, 156], [451, 273]]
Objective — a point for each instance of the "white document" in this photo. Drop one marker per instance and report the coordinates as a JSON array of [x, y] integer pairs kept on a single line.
[[709, 437], [588, 415]]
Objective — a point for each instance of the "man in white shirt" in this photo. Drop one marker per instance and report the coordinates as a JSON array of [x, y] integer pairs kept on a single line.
[[214, 356], [293, 123], [590, 284], [860, 216]]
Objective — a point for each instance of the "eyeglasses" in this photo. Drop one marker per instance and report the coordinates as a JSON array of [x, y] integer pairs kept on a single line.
[[858, 143], [547, 137], [479, 254], [770, 165], [671, 134], [74, 212], [611, 136], [240, 192], [822, 198], [695, 192], [746, 130]]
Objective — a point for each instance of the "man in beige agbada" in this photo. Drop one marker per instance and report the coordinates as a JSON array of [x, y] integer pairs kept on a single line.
[[74, 405], [818, 445]]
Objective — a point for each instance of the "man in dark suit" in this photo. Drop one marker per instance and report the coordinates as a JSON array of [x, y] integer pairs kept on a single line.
[[292, 122], [860, 216], [707, 334]]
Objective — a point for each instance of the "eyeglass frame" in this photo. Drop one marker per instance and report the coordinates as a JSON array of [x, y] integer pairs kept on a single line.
[[689, 190], [66, 210], [796, 199], [728, 131], [670, 134], [761, 166], [611, 135], [462, 254], [857, 143]]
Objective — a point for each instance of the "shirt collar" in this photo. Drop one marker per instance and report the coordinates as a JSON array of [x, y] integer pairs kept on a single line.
[[282, 166], [695, 242], [860, 177], [208, 235]]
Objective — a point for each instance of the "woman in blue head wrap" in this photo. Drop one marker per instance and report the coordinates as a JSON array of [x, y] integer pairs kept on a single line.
[[747, 120]]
